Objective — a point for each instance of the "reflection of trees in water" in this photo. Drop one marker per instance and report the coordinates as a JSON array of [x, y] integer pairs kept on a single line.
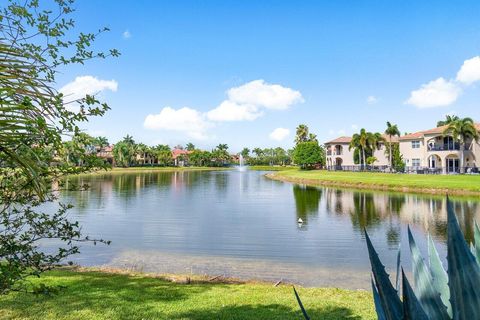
[[364, 214], [466, 212], [395, 204], [307, 200]]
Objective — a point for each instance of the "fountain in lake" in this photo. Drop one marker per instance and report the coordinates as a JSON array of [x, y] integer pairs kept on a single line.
[[241, 163]]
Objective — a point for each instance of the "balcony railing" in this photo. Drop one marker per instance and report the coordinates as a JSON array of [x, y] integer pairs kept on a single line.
[[445, 147]]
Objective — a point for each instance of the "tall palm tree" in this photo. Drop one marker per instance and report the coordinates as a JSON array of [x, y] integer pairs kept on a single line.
[[101, 142], [312, 137], [128, 139], [301, 134], [462, 130], [190, 146], [222, 147], [391, 131], [258, 152], [448, 119], [361, 142]]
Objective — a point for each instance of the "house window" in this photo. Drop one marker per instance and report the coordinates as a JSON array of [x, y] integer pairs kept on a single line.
[[415, 162], [415, 144]]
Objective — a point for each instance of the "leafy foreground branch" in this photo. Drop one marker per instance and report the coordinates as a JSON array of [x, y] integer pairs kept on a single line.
[[437, 294], [34, 118]]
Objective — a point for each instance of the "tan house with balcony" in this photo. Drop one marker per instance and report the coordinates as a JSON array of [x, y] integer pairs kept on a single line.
[[432, 151], [339, 156]]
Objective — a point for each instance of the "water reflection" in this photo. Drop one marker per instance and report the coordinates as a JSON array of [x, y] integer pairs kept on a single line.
[[307, 200], [244, 216]]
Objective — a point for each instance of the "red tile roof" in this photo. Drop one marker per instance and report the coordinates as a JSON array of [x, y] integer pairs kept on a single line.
[[421, 134], [178, 152], [341, 140]]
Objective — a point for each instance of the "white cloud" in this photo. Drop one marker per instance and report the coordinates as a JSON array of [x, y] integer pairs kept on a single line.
[[126, 34], [231, 111], [341, 132], [436, 93], [186, 120], [262, 94], [470, 71], [84, 85], [279, 134], [372, 99], [354, 127]]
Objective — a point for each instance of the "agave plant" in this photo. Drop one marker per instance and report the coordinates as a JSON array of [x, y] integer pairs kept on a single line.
[[437, 294]]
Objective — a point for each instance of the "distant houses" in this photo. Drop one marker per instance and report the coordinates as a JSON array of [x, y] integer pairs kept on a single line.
[[426, 151]]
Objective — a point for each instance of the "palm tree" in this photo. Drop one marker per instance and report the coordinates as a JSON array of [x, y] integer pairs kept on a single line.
[[101, 142], [190, 146], [360, 141], [312, 137], [448, 119], [462, 130], [128, 139], [142, 149], [258, 152], [391, 131], [222, 147], [245, 153], [301, 134]]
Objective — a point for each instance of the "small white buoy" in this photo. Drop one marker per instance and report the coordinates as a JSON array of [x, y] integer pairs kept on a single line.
[[300, 220]]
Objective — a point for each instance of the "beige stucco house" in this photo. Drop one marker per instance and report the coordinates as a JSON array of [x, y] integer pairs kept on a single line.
[[340, 157], [428, 151], [433, 151]]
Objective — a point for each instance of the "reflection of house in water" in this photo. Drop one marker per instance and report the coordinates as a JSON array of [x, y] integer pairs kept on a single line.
[[368, 209], [307, 200]]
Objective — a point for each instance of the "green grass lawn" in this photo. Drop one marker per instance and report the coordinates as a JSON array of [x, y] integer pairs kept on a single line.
[[95, 295], [457, 184]]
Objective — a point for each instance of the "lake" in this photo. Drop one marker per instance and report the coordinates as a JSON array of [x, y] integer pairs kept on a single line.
[[244, 225]]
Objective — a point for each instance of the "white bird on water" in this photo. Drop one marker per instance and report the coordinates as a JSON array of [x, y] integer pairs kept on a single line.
[[300, 220]]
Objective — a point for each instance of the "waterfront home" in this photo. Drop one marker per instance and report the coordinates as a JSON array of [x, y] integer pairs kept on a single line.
[[180, 157], [340, 157], [427, 151], [106, 153], [432, 151]]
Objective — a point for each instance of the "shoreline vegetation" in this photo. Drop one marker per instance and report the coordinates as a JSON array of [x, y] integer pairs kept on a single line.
[[459, 185], [116, 294]]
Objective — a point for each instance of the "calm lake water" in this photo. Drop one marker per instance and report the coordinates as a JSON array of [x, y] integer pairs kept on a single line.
[[243, 225]]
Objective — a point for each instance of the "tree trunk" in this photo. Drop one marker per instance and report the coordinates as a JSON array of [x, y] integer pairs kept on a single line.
[[363, 158], [462, 148], [390, 154]]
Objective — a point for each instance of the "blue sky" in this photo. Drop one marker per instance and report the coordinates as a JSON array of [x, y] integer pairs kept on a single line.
[[325, 58]]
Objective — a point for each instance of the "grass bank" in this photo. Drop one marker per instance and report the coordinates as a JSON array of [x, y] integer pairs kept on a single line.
[[432, 184], [96, 295]]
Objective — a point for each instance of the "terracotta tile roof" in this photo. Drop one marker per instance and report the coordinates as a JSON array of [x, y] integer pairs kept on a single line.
[[343, 140], [178, 152], [421, 134]]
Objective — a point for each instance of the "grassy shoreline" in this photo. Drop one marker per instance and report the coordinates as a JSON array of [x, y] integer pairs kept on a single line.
[[96, 295], [461, 185]]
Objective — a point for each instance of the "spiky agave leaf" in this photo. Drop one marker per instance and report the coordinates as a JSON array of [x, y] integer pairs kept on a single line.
[[391, 304], [439, 275], [304, 312], [424, 289], [412, 309], [378, 304], [397, 278], [477, 242], [463, 272]]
